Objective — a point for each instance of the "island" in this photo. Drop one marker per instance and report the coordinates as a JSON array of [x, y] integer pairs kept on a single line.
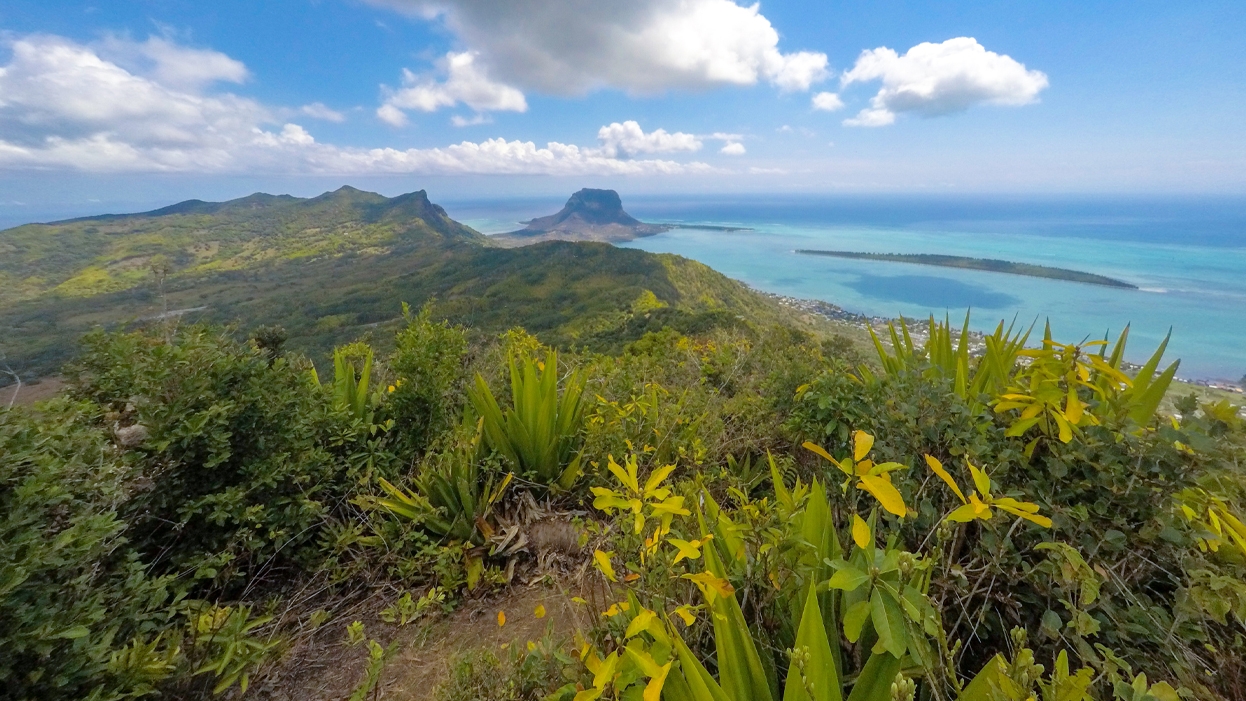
[[590, 215], [988, 264], [708, 227]]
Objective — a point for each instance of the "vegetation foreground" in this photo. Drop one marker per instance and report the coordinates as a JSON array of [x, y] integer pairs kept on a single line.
[[743, 513]]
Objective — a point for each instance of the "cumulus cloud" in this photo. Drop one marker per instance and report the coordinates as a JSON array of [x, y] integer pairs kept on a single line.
[[63, 103], [938, 79], [465, 83], [732, 148], [63, 106], [171, 64], [628, 139], [569, 47], [318, 110], [827, 102]]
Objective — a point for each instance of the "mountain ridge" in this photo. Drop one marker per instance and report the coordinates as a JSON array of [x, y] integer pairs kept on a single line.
[[332, 268]]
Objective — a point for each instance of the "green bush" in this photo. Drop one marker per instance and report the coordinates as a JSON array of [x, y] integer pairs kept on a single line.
[[233, 452], [72, 596], [430, 379]]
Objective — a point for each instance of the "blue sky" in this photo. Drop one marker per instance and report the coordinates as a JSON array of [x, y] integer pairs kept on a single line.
[[165, 99]]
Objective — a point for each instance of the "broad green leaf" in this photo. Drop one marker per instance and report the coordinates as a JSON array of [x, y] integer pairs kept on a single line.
[[739, 665], [855, 618], [820, 669], [888, 622], [874, 681], [848, 579]]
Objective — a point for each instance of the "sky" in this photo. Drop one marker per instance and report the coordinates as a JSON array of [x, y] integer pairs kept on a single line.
[[104, 104]]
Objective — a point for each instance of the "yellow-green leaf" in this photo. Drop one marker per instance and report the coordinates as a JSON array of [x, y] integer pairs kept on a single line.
[[685, 613], [980, 480], [641, 622], [937, 467], [656, 477], [602, 561], [862, 442], [860, 532], [885, 493], [815, 448]]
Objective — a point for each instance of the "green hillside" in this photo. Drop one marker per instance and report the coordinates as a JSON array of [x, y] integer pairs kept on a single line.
[[333, 267], [94, 255]]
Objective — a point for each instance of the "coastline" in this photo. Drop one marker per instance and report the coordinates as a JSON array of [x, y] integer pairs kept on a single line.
[[918, 330]]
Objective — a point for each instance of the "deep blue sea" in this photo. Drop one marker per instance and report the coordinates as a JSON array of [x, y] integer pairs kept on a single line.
[[1187, 255]]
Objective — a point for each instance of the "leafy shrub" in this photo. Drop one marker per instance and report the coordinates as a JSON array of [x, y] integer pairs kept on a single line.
[[235, 469], [430, 379], [72, 597]]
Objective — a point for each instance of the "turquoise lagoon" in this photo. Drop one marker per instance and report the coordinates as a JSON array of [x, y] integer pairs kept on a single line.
[[1186, 255]]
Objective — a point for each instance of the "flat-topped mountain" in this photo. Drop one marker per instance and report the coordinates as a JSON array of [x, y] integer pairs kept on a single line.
[[590, 215]]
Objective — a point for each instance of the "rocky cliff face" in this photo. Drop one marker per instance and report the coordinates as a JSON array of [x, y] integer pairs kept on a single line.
[[590, 215]]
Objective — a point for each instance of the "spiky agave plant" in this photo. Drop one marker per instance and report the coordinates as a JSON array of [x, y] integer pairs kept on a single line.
[[970, 380], [350, 387], [540, 431]]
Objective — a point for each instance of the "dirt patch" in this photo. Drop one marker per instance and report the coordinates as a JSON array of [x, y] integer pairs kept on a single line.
[[31, 392], [326, 668]]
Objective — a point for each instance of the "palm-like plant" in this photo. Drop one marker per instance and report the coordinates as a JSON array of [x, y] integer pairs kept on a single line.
[[989, 375], [350, 387], [540, 431], [450, 498]]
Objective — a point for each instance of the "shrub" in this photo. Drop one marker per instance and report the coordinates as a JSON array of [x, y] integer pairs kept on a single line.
[[231, 451], [72, 596], [429, 379]]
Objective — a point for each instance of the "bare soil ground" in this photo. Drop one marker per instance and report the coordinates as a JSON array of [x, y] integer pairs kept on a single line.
[[31, 392], [325, 667]]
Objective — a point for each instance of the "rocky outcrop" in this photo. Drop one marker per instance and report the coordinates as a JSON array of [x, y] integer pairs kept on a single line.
[[590, 215]]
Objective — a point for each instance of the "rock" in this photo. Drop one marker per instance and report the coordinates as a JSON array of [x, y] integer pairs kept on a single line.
[[131, 436]]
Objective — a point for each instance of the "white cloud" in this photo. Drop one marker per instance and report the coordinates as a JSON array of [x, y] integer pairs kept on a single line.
[[492, 156], [173, 65], [827, 102], [391, 115], [628, 139], [60, 98], [569, 47], [938, 79], [466, 83], [318, 110], [65, 107], [733, 148], [461, 121], [872, 117]]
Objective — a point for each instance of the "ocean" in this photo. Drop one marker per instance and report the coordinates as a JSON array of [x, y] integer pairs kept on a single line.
[[1186, 255]]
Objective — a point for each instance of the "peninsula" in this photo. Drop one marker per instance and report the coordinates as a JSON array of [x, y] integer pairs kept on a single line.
[[590, 215], [988, 264]]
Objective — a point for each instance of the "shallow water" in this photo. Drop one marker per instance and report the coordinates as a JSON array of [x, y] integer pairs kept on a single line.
[[1188, 257]]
